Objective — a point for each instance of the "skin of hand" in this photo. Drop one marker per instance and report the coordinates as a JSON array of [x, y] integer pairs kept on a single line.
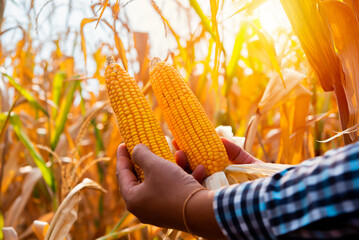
[[235, 154], [159, 199]]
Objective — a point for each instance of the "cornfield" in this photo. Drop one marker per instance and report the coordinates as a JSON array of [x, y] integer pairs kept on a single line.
[[291, 89]]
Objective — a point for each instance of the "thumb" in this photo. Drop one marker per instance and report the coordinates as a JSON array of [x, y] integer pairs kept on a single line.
[[143, 157]]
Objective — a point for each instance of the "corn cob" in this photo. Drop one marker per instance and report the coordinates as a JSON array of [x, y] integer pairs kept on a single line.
[[186, 118], [136, 121]]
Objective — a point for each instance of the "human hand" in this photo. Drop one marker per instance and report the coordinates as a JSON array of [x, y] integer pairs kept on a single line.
[[159, 199], [235, 154]]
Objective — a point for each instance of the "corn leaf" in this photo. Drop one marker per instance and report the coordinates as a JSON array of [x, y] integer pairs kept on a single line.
[[4, 97], [123, 232], [293, 123], [275, 91], [104, 5], [314, 36], [1, 225], [83, 41], [64, 110], [57, 90], [9, 233], [66, 214], [11, 167], [245, 6], [17, 207], [120, 48], [26, 94], [39, 161], [204, 19], [40, 229], [273, 95], [345, 33], [264, 50], [175, 35], [237, 48]]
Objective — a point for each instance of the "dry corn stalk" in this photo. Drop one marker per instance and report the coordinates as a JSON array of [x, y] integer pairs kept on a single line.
[[136, 121], [186, 118]]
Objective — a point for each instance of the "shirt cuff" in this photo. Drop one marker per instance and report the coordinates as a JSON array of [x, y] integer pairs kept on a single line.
[[240, 211]]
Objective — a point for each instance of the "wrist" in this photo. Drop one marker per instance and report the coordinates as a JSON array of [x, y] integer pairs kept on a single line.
[[200, 216]]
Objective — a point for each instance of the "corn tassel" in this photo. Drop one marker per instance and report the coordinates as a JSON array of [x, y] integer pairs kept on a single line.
[[187, 120], [136, 121]]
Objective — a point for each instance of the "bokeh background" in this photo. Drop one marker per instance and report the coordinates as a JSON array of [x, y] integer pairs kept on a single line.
[[251, 67]]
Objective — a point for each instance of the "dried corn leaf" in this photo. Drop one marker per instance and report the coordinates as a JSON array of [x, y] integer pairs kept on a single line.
[[11, 167], [66, 214], [83, 41], [9, 233], [4, 97], [124, 232], [40, 229], [16, 209], [352, 129], [345, 32], [142, 47], [275, 91], [175, 35], [293, 123], [103, 7], [273, 95], [314, 36]]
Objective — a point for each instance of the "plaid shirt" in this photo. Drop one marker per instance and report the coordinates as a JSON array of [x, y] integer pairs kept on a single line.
[[317, 199]]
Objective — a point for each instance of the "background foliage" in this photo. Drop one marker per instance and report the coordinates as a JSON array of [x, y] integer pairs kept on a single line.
[[57, 127]]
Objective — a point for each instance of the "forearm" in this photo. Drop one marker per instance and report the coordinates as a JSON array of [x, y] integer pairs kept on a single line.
[[200, 216]]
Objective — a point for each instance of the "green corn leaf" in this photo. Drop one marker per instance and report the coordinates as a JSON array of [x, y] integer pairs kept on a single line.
[[62, 115], [39, 161], [1, 225], [27, 95], [57, 84], [205, 22]]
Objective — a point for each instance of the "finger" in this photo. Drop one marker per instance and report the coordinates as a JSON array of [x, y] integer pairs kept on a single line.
[[125, 176], [175, 144], [181, 159], [236, 154], [199, 173], [144, 157]]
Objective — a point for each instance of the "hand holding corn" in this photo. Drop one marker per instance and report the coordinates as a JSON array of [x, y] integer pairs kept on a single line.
[[160, 198], [236, 155]]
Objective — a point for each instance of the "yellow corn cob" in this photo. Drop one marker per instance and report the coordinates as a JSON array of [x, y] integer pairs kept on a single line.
[[136, 121], [187, 120]]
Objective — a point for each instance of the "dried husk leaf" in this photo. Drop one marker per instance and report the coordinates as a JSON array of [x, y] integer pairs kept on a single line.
[[40, 229], [216, 181], [66, 214], [9, 233], [239, 173], [11, 167], [17, 207]]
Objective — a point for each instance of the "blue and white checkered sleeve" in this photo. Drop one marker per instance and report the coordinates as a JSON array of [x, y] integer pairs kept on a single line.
[[240, 210], [296, 201]]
